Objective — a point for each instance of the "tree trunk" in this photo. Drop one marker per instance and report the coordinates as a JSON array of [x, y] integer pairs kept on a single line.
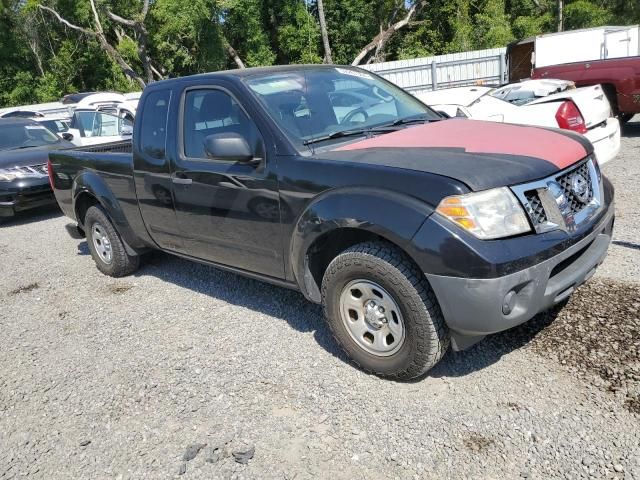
[[325, 34], [141, 37], [560, 15], [233, 54], [380, 39]]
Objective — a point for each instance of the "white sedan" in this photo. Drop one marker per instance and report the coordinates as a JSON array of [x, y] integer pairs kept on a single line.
[[544, 103]]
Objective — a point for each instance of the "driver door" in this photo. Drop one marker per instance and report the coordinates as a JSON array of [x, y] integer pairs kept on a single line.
[[228, 211]]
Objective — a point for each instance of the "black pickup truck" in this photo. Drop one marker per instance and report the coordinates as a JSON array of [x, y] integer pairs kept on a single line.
[[414, 231]]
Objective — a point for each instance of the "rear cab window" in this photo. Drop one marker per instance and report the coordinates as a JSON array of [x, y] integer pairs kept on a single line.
[[153, 127]]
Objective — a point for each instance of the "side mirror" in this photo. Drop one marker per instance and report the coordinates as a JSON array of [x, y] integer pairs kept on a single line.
[[67, 136], [228, 146], [126, 130]]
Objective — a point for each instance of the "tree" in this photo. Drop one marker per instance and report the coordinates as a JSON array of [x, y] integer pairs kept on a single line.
[[392, 27], [54, 47], [98, 33], [324, 33], [141, 34]]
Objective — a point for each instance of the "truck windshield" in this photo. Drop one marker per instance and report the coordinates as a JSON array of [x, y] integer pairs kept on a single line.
[[327, 103], [20, 135]]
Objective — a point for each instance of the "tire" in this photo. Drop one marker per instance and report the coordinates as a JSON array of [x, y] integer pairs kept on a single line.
[[625, 117], [419, 335], [106, 246]]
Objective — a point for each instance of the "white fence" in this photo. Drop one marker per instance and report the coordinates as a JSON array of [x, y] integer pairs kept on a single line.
[[418, 75]]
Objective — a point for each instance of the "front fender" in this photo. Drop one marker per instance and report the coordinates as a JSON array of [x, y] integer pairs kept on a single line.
[[93, 184], [391, 215]]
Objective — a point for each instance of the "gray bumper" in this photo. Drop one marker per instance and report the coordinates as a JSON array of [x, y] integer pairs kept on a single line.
[[474, 308]]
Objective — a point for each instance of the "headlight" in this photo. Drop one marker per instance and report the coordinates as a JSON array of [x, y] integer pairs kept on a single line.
[[10, 174], [490, 214]]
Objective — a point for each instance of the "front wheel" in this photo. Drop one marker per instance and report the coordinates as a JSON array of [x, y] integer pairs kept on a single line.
[[383, 312], [105, 245]]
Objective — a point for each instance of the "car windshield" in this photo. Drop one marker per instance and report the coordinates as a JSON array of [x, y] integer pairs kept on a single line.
[[316, 105], [56, 126], [20, 135]]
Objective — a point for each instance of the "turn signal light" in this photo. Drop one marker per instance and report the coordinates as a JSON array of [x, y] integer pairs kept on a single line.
[[454, 209]]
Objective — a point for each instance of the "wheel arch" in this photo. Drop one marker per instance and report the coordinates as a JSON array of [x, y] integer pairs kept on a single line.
[[90, 190], [340, 219]]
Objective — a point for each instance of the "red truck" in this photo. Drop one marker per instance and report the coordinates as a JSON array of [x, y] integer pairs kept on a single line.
[[608, 55], [619, 77]]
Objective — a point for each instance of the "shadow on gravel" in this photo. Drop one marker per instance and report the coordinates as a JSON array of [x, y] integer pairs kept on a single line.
[[31, 216], [620, 243], [596, 332], [493, 348], [631, 129], [307, 317], [277, 302]]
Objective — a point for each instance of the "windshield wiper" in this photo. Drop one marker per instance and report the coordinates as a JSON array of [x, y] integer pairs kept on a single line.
[[348, 133], [23, 146], [410, 120]]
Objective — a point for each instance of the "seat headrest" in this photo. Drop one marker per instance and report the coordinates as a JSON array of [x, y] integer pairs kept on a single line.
[[216, 104]]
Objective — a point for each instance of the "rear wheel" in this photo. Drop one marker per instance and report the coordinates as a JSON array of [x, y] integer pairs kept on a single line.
[[106, 246], [383, 312], [625, 117]]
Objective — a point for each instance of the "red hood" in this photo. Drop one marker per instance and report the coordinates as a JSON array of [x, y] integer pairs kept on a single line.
[[473, 136]]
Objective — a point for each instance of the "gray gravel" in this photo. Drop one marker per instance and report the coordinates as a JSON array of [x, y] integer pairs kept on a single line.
[[623, 261], [188, 372]]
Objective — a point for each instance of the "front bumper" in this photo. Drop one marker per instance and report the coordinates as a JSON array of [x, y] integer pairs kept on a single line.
[[475, 307], [605, 140], [24, 194]]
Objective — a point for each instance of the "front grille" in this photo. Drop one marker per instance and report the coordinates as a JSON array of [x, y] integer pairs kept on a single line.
[[536, 210], [564, 180], [551, 203], [41, 168], [32, 171]]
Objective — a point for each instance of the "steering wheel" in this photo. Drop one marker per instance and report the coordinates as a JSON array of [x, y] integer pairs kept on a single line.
[[349, 116]]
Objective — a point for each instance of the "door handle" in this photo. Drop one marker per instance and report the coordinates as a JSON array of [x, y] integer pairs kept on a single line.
[[182, 181]]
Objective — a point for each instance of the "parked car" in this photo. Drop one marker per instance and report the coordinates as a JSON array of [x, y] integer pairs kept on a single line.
[[413, 231], [133, 98], [24, 148], [73, 98], [101, 118], [544, 103], [619, 79], [58, 124], [607, 56], [31, 111]]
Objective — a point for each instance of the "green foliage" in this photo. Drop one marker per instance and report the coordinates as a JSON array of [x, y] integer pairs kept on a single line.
[[492, 26], [186, 36], [583, 14], [244, 28], [41, 59]]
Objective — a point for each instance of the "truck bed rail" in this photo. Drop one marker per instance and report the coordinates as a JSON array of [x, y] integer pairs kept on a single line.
[[113, 147]]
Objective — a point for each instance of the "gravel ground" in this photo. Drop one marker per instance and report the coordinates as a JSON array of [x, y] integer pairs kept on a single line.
[[185, 371], [624, 256]]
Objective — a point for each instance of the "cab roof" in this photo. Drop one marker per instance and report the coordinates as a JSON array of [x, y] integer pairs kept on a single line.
[[241, 73]]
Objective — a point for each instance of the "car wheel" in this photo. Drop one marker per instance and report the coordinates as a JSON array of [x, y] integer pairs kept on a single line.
[[106, 246], [382, 311], [625, 117]]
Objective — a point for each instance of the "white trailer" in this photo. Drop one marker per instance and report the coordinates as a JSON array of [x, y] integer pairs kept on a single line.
[[572, 46], [585, 45]]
